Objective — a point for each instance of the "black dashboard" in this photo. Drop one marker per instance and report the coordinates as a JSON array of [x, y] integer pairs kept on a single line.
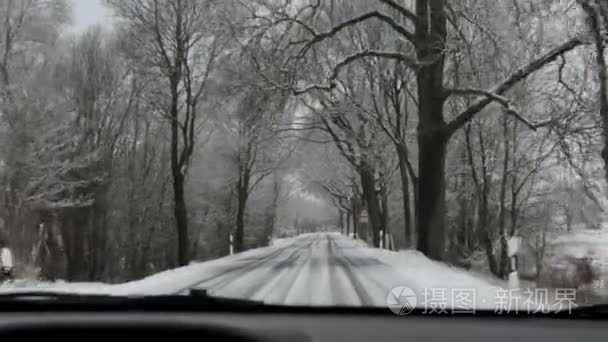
[[299, 326]]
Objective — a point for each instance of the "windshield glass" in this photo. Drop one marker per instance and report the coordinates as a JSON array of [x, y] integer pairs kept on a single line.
[[445, 155]]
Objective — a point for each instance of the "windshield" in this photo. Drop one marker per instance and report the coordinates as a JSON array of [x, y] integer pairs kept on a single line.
[[444, 155]]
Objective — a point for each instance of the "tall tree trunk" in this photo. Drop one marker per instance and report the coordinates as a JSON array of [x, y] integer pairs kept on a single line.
[[242, 195], [271, 215], [368, 184], [597, 23], [431, 32], [178, 162], [355, 213], [431, 216], [385, 211], [347, 218], [239, 233], [405, 190], [502, 217], [76, 222], [181, 218], [485, 229]]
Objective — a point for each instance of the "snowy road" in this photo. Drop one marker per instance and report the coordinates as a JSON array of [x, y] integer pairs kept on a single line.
[[322, 269], [313, 269]]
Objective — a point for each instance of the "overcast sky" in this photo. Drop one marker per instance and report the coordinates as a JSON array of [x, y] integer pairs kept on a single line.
[[87, 13]]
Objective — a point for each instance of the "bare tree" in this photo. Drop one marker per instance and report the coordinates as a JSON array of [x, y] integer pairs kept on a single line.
[[179, 41], [259, 151]]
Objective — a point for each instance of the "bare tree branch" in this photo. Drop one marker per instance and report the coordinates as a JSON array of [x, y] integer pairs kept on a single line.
[[519, 75], [476, 91], [318, 37], [409, 61], [402, 10]]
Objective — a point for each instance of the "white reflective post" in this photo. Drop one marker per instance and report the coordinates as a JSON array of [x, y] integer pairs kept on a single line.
[[512, 249], [381, 239], [231, 245]]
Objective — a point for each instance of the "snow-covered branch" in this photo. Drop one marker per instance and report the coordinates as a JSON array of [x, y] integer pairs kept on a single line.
[[476, 91], [407, 60], [531, 125], [519, 75], [503, 101], [319, 37]]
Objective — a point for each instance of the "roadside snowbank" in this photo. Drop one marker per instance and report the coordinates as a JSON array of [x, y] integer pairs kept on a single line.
[[183, 278], [430, 279], [28, 285]]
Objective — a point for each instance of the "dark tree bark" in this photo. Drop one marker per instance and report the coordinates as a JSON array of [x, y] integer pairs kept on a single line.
[[431, 215], [502, 215], [384, 211], [242, 196], [482, 190], [177, 166], [432, 135], [347, 217], [370, 194], [355, 213], [271, 212], [181, 219], [405, 190], [598, 22], [74, 229]]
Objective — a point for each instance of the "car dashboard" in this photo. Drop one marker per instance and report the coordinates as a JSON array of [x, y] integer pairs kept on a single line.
[[322, 325]]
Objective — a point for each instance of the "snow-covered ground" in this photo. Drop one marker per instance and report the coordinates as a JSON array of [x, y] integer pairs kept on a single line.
[[315, 269], [584, 242], [26, 285]]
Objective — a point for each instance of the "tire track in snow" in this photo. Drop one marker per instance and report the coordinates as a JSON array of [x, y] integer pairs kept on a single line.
[[278, 290], [341, 295], [379, 282], [269, 273], [240, 267], [300, 284], [358, 286]]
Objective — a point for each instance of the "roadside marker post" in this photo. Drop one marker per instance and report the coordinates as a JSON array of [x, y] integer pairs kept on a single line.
[[512, 249], [381, 239], [363, 217], [231, 245]]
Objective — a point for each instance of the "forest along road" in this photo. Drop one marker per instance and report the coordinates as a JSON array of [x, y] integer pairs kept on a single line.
[[314, 269]]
